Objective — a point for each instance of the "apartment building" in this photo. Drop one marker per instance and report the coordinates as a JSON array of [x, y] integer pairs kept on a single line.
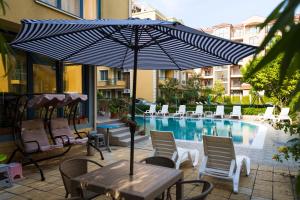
[[148, 81], [33, 73], [246, 32]]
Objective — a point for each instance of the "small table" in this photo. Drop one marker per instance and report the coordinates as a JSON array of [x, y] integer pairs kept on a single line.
[[148, 181], [107, 127]]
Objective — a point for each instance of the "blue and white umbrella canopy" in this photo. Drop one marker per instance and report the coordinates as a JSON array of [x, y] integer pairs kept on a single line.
[[162, 44], [129, 44]]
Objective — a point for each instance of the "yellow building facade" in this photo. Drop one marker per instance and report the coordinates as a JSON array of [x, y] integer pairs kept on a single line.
[[148, 81]]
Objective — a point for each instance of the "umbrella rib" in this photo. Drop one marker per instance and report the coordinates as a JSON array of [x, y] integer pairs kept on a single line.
[[83, 48], [112, 38], [123, 61], [165, 52], [175, 37]]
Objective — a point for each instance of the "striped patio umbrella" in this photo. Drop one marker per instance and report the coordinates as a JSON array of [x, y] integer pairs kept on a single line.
[[129, 44]]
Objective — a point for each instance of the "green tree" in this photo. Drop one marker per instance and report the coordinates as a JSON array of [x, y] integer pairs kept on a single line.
[[192, 89], [218, 90], [268, 79], [288, 46], [170, 90]]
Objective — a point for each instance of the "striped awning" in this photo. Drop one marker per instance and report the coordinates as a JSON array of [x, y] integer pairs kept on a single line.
[[161, 44]]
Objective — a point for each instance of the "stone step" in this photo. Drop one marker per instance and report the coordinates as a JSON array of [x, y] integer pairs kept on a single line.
[[137, 138], [116, 131], [120, 136]]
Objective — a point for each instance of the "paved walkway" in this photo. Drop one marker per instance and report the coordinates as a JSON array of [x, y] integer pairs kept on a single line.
[[264, 182]]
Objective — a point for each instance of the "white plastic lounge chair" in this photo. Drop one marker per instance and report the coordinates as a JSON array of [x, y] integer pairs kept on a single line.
[[219, 112], [151, 111], [164, 145], [198, 112], [181, 111], [164, 111], [220, 160], [268, 115], [236, 112], [283, 116]]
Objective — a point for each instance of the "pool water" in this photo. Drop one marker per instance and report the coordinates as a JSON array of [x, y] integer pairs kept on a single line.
[[192, 129]]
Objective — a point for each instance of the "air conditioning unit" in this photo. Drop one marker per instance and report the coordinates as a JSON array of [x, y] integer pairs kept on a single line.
[[126, 91]]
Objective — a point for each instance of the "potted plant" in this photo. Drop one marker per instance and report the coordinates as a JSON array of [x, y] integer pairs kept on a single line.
[[113, 109]]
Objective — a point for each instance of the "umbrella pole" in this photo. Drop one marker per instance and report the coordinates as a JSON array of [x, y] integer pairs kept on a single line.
[[132, 129]]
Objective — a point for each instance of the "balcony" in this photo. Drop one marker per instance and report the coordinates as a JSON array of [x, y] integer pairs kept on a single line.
[[111, 84], [235, 73]]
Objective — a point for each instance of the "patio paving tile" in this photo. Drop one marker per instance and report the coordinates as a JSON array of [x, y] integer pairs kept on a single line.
[[264, 182], [262, 193], [239, 196]]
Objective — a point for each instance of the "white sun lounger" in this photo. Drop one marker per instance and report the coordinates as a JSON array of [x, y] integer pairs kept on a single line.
[[198, 112], [164, 145], [164, 111], [283, 116], [219, 112], [151, 111], [236, 112], [181, 111], [220, 160], [268, 115]]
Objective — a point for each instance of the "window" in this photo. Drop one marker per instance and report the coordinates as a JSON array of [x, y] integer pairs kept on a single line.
[[16, 80], [253, 40], [119, 75], [238, 33], [162, 74], [103, 75], [252, 30], [44, 78], [73, 79], [74, 7]]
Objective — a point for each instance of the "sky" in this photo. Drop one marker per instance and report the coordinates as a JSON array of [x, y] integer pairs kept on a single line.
[[206, 13]]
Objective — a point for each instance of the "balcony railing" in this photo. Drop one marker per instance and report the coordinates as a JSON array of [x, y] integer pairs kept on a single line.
[[111, 82]]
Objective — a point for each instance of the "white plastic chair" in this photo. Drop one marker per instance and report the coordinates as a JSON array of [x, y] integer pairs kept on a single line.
[[164, 111], [268, 115], [151, 111], [164, 145], [219, 112], [198, 112], [236, 112], [283, 116], [220, 160], [181, 111]]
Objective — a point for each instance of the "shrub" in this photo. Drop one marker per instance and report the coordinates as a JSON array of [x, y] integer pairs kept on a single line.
[[246, 100], [252, 111], [235, 100], [160, 101], [227, 100]]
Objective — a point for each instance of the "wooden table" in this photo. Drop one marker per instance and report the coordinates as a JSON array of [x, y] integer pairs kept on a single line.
[[147, 183]]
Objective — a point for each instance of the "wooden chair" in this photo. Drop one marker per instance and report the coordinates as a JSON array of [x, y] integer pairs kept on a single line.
[[163, 162], [206, 189], [72, 168]]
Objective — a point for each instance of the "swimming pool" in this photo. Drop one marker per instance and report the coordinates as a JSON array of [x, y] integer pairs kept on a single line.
[[243, 133]]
